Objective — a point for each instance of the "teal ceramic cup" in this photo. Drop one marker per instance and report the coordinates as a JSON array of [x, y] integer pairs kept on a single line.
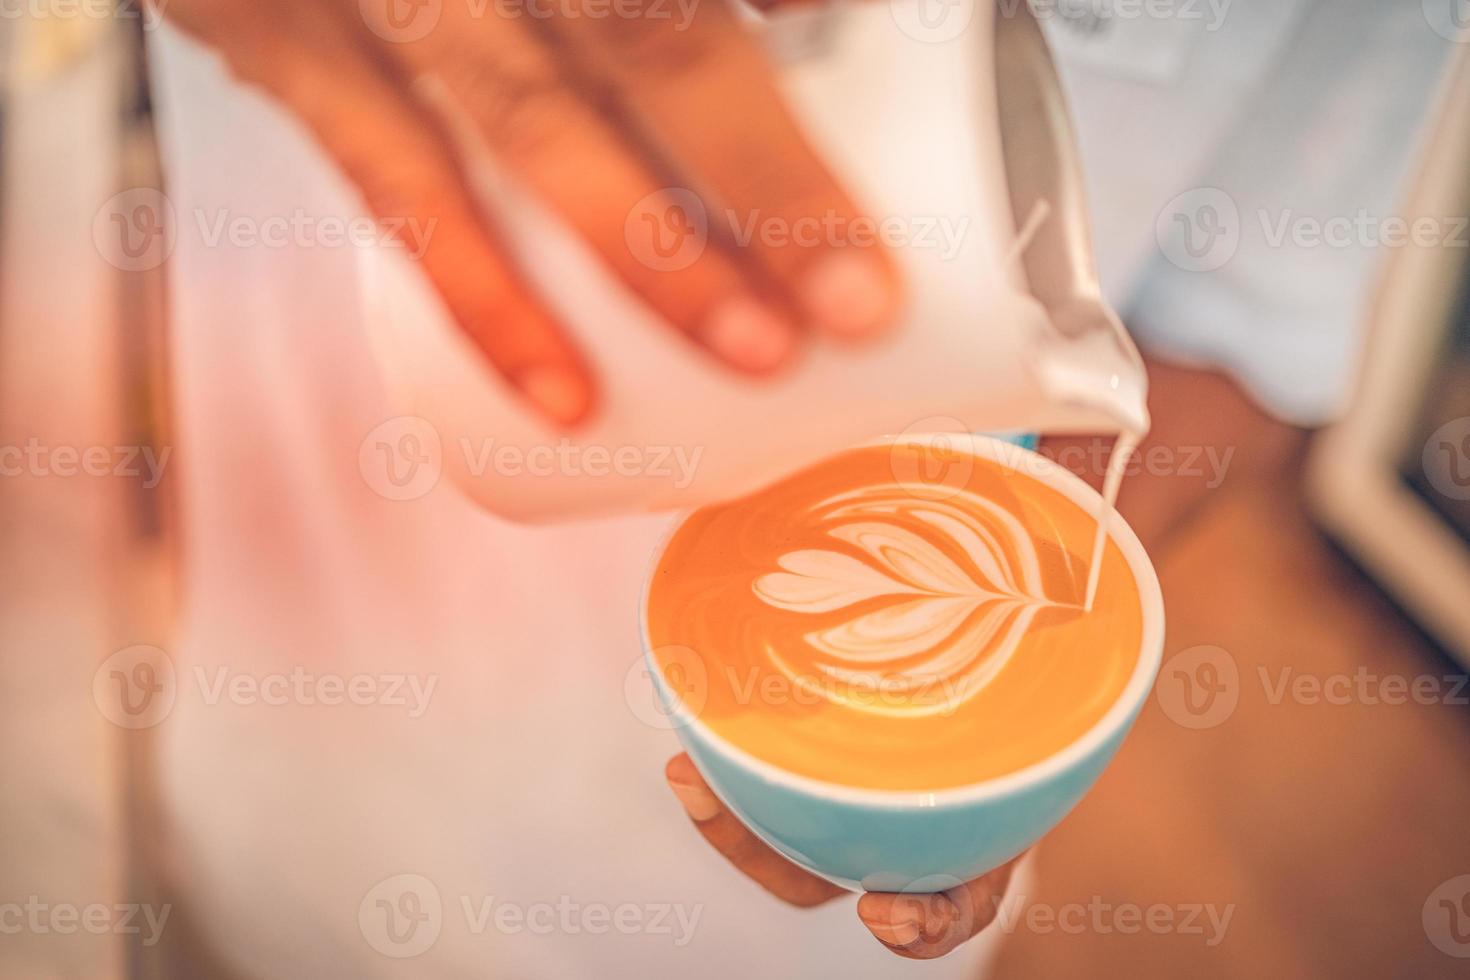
[[885, 840]]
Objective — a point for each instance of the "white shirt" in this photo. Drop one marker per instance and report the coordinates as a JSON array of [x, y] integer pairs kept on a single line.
[[1272, 121]]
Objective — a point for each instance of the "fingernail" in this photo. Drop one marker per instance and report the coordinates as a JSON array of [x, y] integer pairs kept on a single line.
[[699, 802], [847, 294], [745, 333], [904, 925], [558, 391]]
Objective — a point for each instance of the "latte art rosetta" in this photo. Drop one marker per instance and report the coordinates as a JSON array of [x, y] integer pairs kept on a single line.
[[849, 626], [946, 626]]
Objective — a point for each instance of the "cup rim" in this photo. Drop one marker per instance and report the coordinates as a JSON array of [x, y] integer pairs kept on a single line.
[[1117, 718]]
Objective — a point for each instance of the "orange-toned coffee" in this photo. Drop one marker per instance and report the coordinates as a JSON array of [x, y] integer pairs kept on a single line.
[[860, 626]]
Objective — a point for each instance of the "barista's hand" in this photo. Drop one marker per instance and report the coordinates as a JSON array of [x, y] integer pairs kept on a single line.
[[599, 115], [917, 927]]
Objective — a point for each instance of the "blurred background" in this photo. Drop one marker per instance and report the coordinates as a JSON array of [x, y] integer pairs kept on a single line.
[[1280, 193]]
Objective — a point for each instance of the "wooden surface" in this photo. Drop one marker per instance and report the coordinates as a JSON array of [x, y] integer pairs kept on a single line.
[[1321, 827]]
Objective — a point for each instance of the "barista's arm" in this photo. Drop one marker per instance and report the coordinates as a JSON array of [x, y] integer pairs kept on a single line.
[[917, 927]]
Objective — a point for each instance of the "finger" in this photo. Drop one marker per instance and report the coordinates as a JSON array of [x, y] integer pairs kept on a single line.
[[406, 171], [749, 156], [734, 840], [926, 927], [510, 90]]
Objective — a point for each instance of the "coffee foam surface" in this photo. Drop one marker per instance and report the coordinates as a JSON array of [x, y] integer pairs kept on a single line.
[[858, 627]]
